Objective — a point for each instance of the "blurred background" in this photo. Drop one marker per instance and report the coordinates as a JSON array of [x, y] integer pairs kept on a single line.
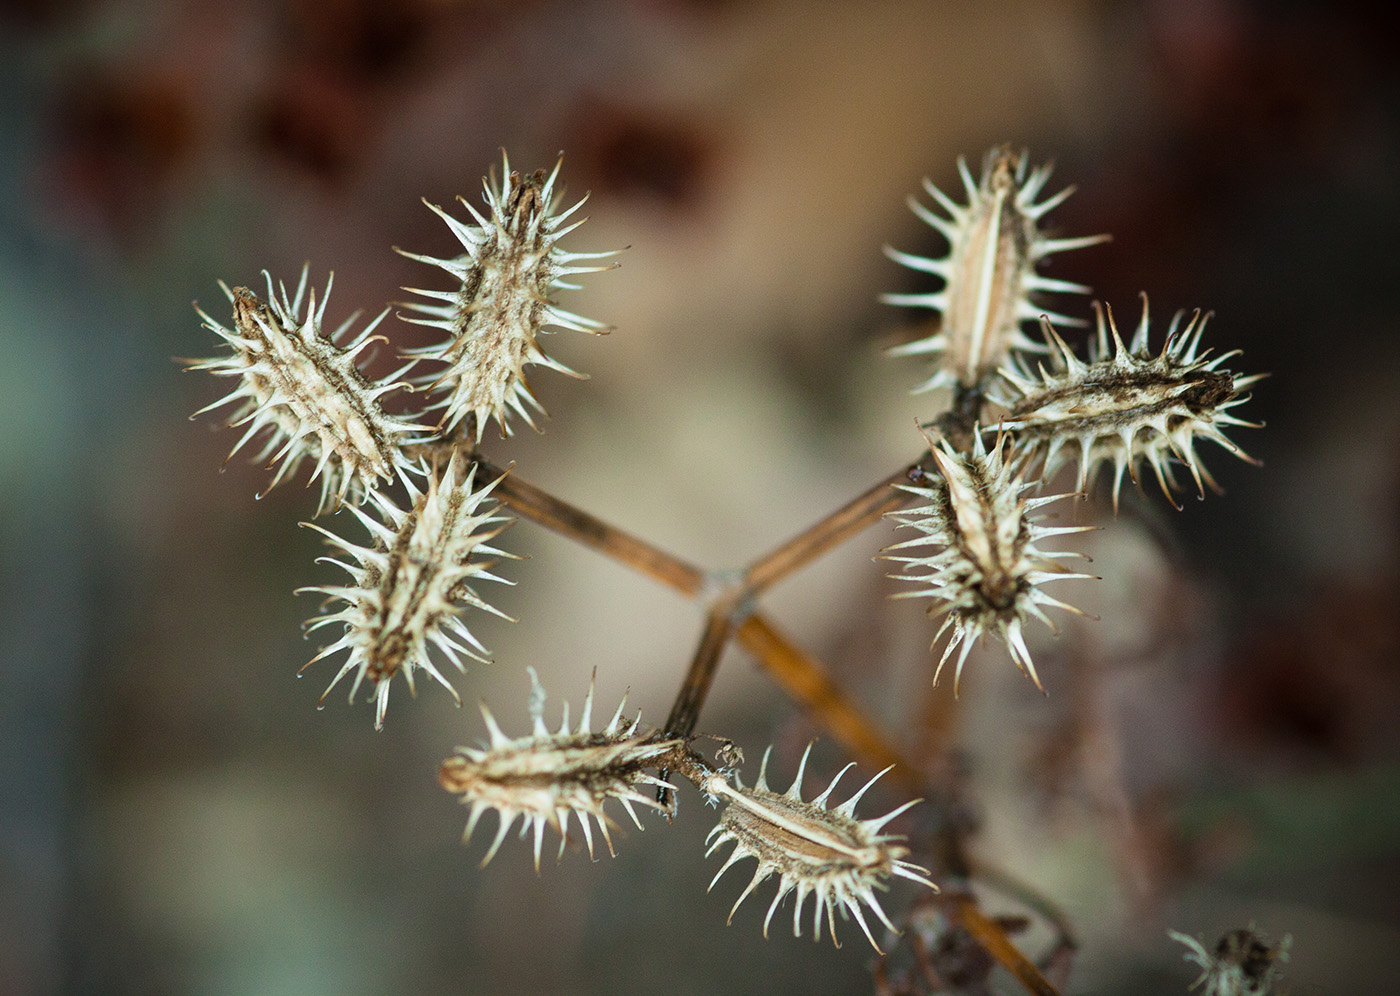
[[1218, 749]]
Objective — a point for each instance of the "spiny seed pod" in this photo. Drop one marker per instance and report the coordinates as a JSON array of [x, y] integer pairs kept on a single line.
[[987, 570], [989, 273], [545, 777], [501, 306], [309, 393], [1127, 405], [1243, 963], [826, 853], [410, 584]]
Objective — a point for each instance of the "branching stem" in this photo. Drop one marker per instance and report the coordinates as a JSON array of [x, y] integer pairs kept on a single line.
[[537, 505], [719, 624], [807, 682], [797, 672], [992, 938], [856, 515]]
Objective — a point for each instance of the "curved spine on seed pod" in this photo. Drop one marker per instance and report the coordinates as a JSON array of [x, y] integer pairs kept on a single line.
[[307, 392], [1128, 404], [501, 306], [990, 280], [825, 853], [543, 778], [410, 584]]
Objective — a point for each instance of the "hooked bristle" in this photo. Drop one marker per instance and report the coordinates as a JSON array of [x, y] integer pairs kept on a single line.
[[989, 275], [826, 853], [987, 568], [501, 306], [543, 778], [410, 584]]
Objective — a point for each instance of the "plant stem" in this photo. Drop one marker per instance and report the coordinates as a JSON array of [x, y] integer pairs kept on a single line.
[[934, 725], [719, 624], [860, 512], [800, 674], [959, 422], [987, 933], [796, 671], [1009, 885], [807, 682], [685, 711], [537, 505]]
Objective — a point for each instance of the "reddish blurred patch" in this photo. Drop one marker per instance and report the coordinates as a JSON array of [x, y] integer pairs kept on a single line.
[[315, 119], [636, 154], [122, 137], [39, 15], [1321, 684], [367, 39]]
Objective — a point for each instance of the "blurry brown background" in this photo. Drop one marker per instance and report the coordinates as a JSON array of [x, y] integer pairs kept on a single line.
[[175, 815]]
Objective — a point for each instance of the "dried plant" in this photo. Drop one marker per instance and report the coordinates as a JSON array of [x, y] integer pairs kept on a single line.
[[307, 393], [814, 850], [989, 274], [544, 777], [1019, 409], [988, 570], [500, 305], [409, 586], [1243, 963], [1126, 404]]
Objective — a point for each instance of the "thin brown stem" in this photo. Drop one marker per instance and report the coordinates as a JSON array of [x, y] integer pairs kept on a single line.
[[935, 725], [992, 938], [807, 682], [537, 505], [685, 712], [958, 424], [1042, 905], [859, 513], [542, 508]]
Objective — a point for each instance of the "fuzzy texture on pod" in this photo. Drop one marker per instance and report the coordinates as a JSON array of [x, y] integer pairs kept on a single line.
[[987, 570], [410, 584], [545, 777], [1128, 405], [1242, 964], [995, 244], [501, 305], [308, 393], [825, 853]]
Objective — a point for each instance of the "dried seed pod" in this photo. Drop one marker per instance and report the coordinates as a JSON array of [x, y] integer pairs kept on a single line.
[[1244, 963], [995, 244], [410, 584], [1127, 405], [501, 306], [308, 393], [987, 571], [545, 777], [825, 853]]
